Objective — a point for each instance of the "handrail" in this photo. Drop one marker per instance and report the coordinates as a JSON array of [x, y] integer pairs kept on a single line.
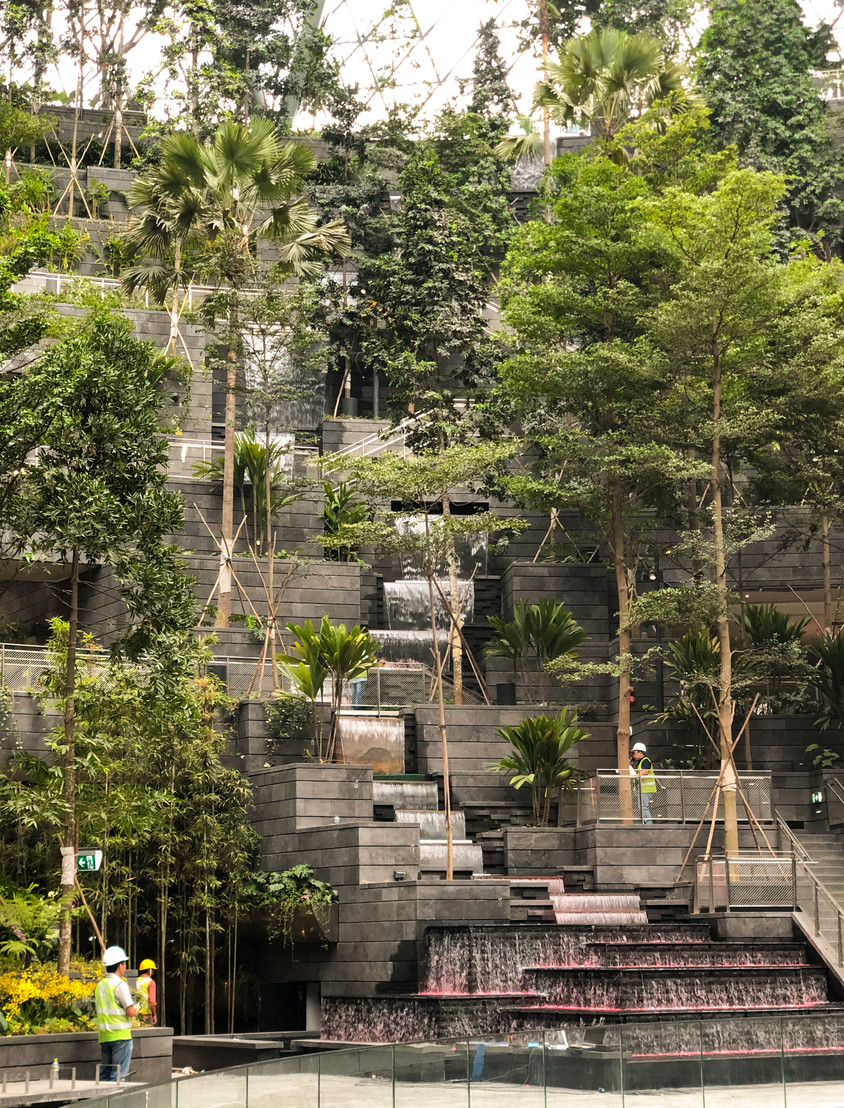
[[837, 788], [782, 826], [818, 890]]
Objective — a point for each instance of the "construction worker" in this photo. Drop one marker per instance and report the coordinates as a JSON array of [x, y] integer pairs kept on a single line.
[[115, 1009], [643, 768], [145, 989]]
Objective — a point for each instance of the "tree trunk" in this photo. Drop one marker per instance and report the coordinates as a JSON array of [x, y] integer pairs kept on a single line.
[[455, 622], [545, 35], [622, 734], [224, 598], [827, 575], [449, 831], [69, 830], [726, 708]]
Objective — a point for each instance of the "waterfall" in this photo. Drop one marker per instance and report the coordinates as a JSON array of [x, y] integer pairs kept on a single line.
[[376, 741], [408, 604], [406, 794], [432, 823]]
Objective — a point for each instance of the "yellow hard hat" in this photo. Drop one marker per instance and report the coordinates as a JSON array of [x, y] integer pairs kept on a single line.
[[147, 964]]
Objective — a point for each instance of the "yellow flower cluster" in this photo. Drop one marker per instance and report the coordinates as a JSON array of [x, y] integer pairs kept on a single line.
[[44, 985]]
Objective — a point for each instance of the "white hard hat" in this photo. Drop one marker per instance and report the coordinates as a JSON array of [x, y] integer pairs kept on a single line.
[[114, 955], [640, 746]]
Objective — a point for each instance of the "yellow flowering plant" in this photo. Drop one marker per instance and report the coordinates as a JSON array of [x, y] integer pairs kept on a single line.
[[38, 999]]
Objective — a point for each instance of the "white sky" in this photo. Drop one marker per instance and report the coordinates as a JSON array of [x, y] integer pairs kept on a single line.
[[424, 47]]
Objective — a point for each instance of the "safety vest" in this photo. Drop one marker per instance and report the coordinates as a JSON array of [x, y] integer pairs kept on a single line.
[[144, 1006], [112, 1022], [647, 780]]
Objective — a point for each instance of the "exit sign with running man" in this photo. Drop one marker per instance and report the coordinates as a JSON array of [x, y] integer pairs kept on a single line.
[[88, 861]]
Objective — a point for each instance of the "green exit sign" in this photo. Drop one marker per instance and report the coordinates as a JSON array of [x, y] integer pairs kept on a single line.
[[817, 798], [88, 861]]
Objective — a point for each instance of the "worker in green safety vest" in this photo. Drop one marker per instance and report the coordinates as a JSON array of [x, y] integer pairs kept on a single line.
[[643, 768], [115, 1009]]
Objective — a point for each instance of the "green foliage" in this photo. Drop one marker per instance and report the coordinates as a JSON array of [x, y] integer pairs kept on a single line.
[[541, 757], [606, 76], [828, 676], [546, 627], [29, 924], [254, 465], [754, 68], [287, 717], [822, 757], [342, 509], [287, 894], [333, 652]]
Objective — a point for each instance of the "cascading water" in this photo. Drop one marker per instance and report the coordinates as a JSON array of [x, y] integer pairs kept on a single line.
[[366, 740], [467, 856], [409, 647], [408, 604], [406, 794], [432, 823]]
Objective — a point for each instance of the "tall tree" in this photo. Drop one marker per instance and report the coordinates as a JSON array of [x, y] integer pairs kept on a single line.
[[737, 330], [239, 187], [585, 392], [754, 69], [97, 497], [607, 76]]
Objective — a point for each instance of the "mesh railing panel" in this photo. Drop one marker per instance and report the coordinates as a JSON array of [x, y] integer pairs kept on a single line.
[[746, 881], [682, 796]]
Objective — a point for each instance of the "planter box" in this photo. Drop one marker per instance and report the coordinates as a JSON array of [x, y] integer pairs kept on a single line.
[[304, 926], [152, 1056]]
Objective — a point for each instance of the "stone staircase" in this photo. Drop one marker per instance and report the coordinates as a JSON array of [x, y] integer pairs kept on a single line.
[[826, 851]]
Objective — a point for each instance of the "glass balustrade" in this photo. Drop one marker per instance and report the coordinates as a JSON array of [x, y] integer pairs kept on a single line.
[[789, 1061]]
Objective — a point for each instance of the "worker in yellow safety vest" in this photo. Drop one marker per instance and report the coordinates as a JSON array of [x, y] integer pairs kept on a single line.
[[145, 990], [643, 768], [115, 1010]]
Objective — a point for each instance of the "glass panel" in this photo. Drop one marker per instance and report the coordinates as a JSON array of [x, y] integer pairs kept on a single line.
[[157, 1096], [221, 1089], [663, 1058], [813, 1060], [284, 1080], [359, 1076], [511, 1063], [582, 1060], [742, 1063], [435, 1073]]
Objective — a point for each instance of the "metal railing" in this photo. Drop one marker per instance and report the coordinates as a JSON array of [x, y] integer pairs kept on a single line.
[[812, 899], [385, 688], [774, 1060], [745, 880], [834, 802], [682, 796]]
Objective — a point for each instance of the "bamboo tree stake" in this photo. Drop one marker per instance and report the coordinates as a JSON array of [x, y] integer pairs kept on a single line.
[[716, 788]]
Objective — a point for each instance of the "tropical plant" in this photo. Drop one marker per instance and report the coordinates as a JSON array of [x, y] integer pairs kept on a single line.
[[546, 627], [606, 76], [29, 924], [342, 508], [828, 676], [694, 661], [242, 185], [254, 465], [330, 652], [765, 623], [540, 758], [287, 894]]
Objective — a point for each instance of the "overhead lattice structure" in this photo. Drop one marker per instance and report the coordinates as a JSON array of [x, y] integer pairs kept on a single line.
[[415, 51]]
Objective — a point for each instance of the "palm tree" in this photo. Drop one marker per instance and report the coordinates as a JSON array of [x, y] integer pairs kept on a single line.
[[604, 77], [546, 627], [541, 747], [333, 652], [242, 185], [260, 466]]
